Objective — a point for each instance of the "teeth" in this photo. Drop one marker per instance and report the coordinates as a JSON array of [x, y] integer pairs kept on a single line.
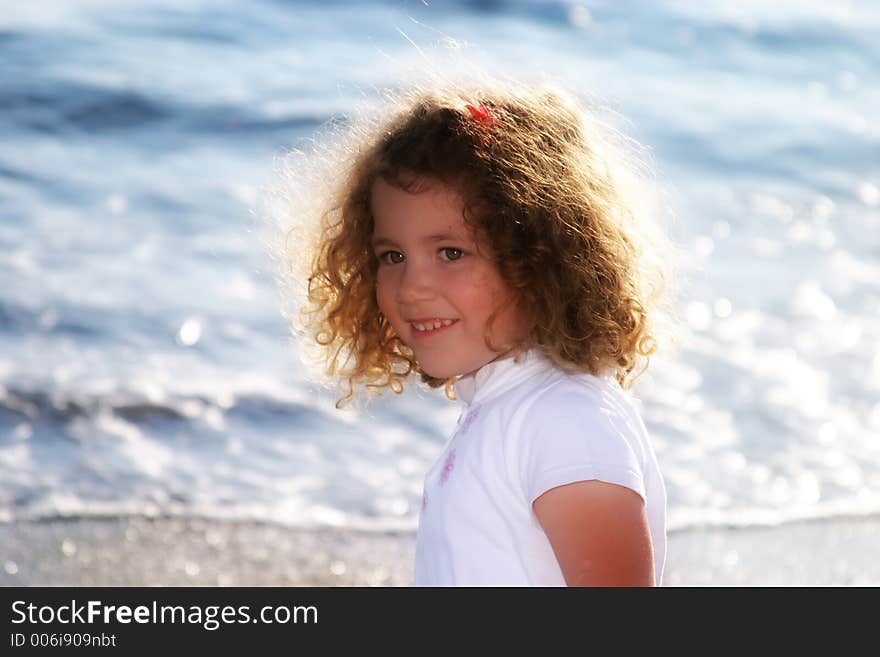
[[437, 323]]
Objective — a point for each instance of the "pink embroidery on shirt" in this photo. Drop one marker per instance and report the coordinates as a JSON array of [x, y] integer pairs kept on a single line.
[[469, 420], [424, 500], [447, 467]]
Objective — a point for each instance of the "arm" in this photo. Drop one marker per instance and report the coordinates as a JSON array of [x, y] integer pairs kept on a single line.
[[599, 533]]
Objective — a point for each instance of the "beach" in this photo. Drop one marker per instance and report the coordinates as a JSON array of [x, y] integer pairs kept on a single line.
[[139, 551]]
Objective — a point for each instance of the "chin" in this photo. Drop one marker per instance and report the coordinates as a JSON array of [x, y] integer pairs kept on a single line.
[[449, 370], [438, 371]]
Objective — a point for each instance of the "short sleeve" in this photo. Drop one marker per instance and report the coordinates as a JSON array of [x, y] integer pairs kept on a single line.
[[579, 435]]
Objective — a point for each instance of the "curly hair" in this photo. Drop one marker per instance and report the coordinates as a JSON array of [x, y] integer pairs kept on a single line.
[[567, 230]]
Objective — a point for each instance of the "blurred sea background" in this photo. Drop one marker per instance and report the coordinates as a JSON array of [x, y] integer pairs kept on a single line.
[[146, 368]]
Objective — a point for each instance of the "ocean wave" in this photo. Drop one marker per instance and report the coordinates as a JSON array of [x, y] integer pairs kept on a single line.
[[61, 107], [52, 407], [57, 106]]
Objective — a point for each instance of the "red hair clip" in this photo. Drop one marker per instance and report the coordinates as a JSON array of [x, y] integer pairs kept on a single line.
[[482, 115]]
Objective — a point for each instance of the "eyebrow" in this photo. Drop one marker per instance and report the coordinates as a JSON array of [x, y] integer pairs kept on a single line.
[[439, 237]]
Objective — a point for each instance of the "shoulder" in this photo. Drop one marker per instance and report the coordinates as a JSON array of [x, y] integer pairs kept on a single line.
[[578, 428], [586, 403]]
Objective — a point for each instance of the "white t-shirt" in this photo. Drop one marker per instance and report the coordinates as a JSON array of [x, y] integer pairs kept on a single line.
[[527, 427]]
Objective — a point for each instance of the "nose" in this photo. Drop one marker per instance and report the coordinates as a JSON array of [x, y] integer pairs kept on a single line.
[[416, 283]]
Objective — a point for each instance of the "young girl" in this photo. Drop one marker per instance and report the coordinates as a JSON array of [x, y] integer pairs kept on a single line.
[[487, 239]]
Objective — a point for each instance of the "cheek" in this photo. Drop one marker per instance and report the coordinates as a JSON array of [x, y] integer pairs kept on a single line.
[[490, 292], [382, 295], [385, 297], [484, 290]]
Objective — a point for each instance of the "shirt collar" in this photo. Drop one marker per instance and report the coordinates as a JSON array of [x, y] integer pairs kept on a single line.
[[495, 377]]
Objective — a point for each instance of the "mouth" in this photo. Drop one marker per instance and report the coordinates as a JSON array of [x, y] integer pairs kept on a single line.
[[423, 329]]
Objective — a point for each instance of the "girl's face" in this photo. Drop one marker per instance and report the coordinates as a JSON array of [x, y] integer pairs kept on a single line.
[[430, 272]]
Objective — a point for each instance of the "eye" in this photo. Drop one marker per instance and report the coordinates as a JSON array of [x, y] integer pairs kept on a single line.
[[383, 257], [455, 255]]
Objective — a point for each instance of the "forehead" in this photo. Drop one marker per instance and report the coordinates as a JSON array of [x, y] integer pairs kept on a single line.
[[431, 208]]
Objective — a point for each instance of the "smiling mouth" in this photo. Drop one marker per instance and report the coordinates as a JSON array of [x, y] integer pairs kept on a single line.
[[430, 328]]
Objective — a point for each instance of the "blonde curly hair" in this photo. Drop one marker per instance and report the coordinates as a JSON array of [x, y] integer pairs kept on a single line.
[[569, 229]]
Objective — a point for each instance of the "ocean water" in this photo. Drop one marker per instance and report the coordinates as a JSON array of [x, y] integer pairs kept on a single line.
[[145, 364]]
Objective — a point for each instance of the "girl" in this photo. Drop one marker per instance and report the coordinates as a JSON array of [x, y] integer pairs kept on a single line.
[[488, 240]]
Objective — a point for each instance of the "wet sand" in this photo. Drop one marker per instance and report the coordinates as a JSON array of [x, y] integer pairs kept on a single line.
[[137, 551]]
